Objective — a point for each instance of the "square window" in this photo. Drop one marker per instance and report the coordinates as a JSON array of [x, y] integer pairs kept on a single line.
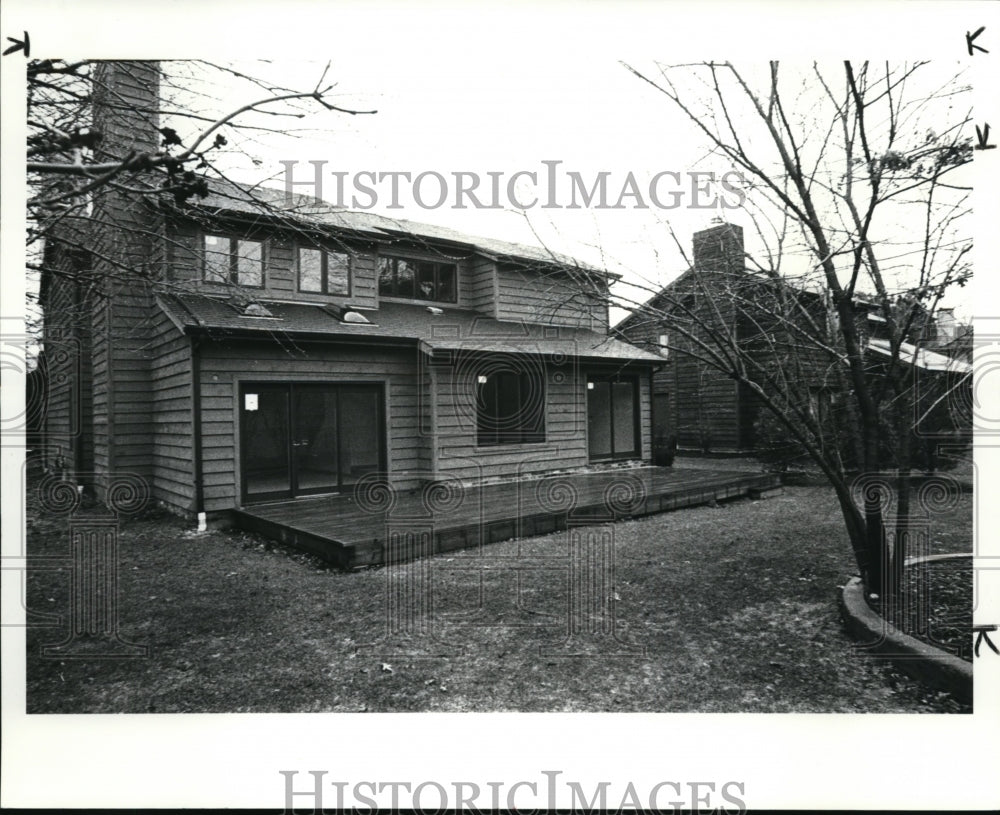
[[510, 408], [324, 272], [233, 260]]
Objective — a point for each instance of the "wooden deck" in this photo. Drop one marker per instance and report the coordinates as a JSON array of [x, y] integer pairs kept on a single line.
[[374, 524]]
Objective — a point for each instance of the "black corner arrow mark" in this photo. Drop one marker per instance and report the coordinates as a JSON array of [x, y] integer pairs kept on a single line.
[[983, 136], [980, 632], [969, 40], [19, 45]]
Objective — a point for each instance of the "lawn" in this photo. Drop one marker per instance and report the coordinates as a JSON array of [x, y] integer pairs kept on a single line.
[[726, 608]]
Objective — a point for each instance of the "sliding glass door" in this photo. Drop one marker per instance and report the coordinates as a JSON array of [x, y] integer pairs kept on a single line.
[[612, 417], [303, 439]]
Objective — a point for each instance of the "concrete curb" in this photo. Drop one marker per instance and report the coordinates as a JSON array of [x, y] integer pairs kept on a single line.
[[923, 662]]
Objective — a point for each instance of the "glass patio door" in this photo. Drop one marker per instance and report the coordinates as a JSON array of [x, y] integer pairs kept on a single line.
[[302, 439], [612, 418]]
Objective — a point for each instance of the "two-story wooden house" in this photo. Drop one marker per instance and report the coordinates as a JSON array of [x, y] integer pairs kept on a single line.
[[245, 347], [719, 315]]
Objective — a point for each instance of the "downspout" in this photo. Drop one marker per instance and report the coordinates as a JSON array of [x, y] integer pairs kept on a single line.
[[199, 490], [653, 370], [652, 419]]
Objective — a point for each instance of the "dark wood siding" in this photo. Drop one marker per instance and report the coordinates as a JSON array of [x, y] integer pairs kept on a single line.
[[184, 265], [565, 446], [173, 474], [225, 365], [538, 296], [481, 286]]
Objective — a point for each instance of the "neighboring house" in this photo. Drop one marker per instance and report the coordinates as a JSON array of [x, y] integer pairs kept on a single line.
[[231, 355], [952, 338], [782, 329]]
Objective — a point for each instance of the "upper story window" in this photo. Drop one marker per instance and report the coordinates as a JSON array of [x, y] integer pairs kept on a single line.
[[324, 272], [418, 279], [234, 260]]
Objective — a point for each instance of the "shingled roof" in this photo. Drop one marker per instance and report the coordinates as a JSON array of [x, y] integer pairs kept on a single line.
[[265, 202], [399, 323]]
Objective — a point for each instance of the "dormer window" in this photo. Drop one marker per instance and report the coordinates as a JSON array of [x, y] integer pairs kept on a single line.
[[417, 279], [233, 260], [324, 272]]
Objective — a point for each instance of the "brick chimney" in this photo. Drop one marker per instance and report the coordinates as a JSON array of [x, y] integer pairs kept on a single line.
[[719, 248]]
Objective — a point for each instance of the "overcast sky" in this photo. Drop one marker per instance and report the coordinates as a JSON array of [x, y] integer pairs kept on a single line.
[[585, 111]]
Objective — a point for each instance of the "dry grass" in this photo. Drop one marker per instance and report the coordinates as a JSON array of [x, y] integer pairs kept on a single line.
[[734, 605]]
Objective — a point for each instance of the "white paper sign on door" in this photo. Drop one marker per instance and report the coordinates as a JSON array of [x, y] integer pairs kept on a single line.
[[250, 401]]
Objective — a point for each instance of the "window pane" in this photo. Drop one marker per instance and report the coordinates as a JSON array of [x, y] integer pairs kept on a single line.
[[216, 259], [338, 273], [623, 404], [249, 263], [265, 440], [532, 409], [486, 410], [386, 277], [509, 413], [405, 277], [510, 409], [426, 289], [360, 437], [310, 269], [446, 288], [599, 418], [316, 445]]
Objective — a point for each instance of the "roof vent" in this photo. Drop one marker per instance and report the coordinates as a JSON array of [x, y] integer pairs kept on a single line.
[[256, 310], [346, 314]]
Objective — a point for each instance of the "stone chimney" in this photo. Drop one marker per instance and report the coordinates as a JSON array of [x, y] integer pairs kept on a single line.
[[719, 248]]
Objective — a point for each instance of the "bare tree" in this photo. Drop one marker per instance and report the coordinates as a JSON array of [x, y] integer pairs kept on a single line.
[[851, 184], [89, 157]]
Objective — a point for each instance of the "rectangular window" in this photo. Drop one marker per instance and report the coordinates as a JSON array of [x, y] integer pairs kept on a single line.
[[418, 280], [324, 272], [234, 260], [250, 263], [664, 345], [510, 408]]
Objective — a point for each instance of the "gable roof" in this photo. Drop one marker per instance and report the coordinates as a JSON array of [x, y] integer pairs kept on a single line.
[[396, 323]]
